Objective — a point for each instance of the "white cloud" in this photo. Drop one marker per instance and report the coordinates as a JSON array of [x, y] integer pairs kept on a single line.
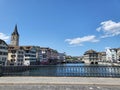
[[107, 48], [4, 37], [80, 40], [109, 28]]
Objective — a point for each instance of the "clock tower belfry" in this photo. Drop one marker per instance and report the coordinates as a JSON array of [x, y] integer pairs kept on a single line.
[[15, 37]]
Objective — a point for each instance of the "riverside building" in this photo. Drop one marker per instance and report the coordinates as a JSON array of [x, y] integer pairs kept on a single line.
[[61, 57], [21, 55], [3, 52], [102, 56], [113, 54], [48, 55], [29, 55], [45, 54], [15, 55], [91, 57], [118, 54], [38, 55]]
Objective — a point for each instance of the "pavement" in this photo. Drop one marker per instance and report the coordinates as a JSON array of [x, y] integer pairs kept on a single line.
[[59, 83], [60, 80]]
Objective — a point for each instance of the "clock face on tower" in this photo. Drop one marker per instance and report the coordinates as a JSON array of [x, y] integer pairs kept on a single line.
[[13, 38]]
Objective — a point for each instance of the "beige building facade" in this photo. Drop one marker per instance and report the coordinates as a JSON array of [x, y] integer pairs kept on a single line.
[[91, 57], [21, 55], [15, 55], [102, 56]]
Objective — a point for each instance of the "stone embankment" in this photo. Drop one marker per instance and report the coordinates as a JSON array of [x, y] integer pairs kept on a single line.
[[110, 64]]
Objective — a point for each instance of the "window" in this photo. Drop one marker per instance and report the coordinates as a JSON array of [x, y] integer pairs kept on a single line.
[[27, 51], [44, 56], [1, 42], [0, 53], [13, 51], [13, 56], [12, 60]]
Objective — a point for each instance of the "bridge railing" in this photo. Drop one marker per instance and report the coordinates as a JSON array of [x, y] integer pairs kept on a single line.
[[58, 70]]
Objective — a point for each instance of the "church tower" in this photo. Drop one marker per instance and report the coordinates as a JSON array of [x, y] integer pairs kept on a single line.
[[15, 37]]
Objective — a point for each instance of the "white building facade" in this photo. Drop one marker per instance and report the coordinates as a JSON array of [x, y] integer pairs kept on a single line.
[[111, 54], [3, 52], [61, 57], [30, 55], [118, 54]]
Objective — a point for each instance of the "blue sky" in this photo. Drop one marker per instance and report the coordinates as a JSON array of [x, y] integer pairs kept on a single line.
[[71, 26]]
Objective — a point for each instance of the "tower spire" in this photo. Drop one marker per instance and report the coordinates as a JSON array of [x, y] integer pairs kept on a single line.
[[15, 37], [15, 31]]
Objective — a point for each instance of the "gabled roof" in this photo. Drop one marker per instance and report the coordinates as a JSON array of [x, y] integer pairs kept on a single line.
[[44, 48], [3, 42], [28, 47], [20, 47], [90, 51], [10, 47]]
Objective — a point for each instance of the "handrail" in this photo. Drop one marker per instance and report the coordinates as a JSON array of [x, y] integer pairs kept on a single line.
[[60, 70]]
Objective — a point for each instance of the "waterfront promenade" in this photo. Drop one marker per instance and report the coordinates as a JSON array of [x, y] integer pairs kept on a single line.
[[59, 83]]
